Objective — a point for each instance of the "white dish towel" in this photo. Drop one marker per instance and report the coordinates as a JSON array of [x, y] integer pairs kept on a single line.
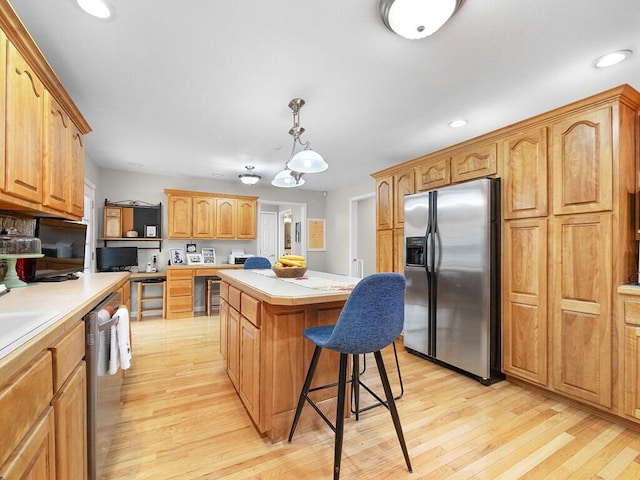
[[120, 348]]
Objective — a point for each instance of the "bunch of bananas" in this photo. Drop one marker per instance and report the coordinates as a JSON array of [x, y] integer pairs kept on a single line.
[[291, 261]]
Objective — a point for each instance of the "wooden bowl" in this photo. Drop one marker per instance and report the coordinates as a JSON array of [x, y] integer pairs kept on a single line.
[[289, 272]]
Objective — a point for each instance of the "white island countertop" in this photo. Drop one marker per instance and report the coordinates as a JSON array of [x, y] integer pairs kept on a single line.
[[313, 287]]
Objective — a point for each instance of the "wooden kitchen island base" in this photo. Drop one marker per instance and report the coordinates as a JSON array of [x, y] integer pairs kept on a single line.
[[262, 320]]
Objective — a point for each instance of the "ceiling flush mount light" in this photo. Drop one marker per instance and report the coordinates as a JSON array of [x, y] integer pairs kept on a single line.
[[95, 8], [305, 161], [249, 178], [458, 123], [612, 58], [414, 19]]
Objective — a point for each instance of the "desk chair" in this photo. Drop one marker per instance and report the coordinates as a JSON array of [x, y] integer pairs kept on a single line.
[[256, 262], [371, 319]]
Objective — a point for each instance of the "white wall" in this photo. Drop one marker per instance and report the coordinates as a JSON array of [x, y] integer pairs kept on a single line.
[[337, 207]]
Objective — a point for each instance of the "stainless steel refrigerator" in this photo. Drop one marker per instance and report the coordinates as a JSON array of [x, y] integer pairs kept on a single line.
[[452, 308]]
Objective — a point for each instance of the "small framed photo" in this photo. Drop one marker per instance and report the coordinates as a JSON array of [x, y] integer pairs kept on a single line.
[[191, 248], [151, 231], [209, 255], [194, 259], [176, 256]]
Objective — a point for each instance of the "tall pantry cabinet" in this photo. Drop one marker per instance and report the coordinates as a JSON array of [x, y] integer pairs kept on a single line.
[[568, 182]]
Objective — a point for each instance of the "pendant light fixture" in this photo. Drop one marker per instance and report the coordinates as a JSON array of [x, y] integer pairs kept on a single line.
[[249, 178], [304, 161], [414, 19]]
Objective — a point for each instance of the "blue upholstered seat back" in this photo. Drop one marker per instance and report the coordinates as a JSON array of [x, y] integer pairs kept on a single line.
[[372, 317], [257, 262]]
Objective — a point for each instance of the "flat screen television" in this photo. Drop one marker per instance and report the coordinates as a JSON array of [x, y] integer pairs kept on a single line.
[[63, 245], [111, 259]]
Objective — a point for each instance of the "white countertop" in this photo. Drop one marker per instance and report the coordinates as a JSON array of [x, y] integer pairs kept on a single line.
[[314, 287], [28, 311]]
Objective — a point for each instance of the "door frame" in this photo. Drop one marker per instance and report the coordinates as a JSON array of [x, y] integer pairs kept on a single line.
[[353, 232], [284, 205]]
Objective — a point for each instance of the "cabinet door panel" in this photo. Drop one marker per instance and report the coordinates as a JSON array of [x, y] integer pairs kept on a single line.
[[582, 307], [524, 312], [180, 217], [582, 160], [76, 181], [35, 457], [57, 173], [24, 134], [384, 251], [631, 401], [524, 182], [384, 203], [403, 184], [233, 347], [226, 209], [70, 408], [246, 223], [435, 172], [475, 162], [250, 368], [203, 217]]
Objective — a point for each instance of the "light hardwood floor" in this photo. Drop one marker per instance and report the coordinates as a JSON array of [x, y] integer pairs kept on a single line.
[[181, 419]]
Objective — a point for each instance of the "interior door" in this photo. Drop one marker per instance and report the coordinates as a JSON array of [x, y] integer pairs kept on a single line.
[[268, 236]]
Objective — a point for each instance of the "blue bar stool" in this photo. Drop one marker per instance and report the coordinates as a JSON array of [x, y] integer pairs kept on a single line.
[[371, 319], [257, 262]]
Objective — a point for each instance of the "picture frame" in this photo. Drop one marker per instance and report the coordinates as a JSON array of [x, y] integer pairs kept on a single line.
[[176, 256], [191, 248], [194, 259], [208, 255], [316, 234], [150, 231]]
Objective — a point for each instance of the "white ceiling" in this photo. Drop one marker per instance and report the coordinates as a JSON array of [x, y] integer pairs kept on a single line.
[[201, 87]]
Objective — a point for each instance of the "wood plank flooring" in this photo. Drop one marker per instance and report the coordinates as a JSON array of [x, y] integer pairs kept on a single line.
[[181, 419]]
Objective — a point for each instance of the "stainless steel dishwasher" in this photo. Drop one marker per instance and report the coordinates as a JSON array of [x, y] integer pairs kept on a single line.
[[103, 388]]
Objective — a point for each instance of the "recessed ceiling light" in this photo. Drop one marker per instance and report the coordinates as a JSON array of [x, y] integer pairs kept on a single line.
[[95, 8], [612, 58], [458, 123]]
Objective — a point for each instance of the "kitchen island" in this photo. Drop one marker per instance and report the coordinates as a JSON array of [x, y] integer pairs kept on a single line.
[[262, 318]]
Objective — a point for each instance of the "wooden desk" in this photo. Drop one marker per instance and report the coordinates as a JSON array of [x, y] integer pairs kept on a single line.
[[266, 356], [180, 286]]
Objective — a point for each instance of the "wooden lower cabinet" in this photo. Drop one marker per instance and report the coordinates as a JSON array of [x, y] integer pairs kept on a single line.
[[179, 293], [34, 459], [249, 384], [582, 327], [224, 320], [233, 347], [631, 394], [524, 310], [70, 409]]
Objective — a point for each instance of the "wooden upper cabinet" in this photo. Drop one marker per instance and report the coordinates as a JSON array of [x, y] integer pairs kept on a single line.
[[57, 164], [581, 282], [76, 184], [433, 173], [203, 217], [180, 216], [403, 184], [384, 203], [246, 228], [524, 174], [226, 209], [211, 215], [476, 161], [24, 129], [581, 162]]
